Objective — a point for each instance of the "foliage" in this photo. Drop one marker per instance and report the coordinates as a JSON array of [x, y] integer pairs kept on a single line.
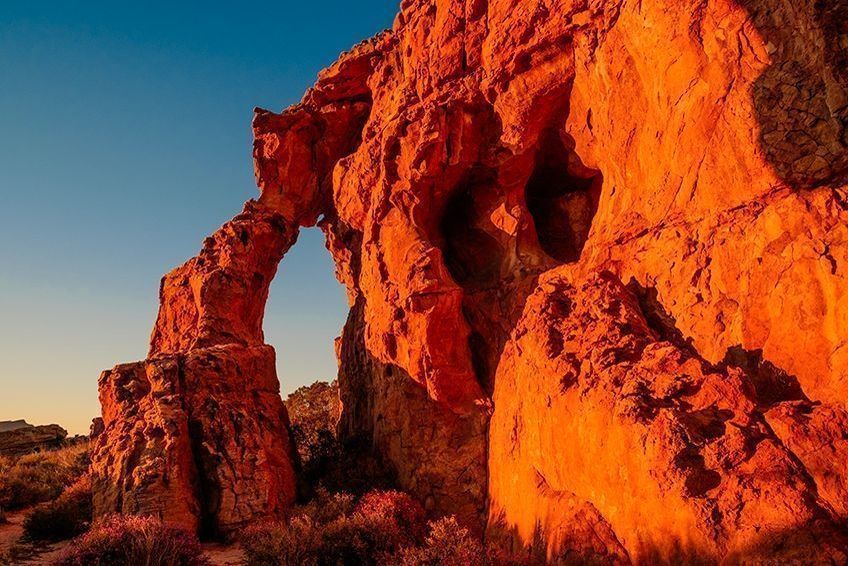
[[272, 543], [128, 541], [333, 530], [41, 476], [447, 544], [66, 517], [314, 412]]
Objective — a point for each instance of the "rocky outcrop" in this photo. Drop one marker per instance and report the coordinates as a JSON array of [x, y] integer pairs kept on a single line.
[[197, 434], [6, 426], [20, 437], [487, 174], [675, 455], [433, 452]]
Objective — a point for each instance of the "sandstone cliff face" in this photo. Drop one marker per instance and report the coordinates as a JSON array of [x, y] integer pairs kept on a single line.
[[487, 174], [674, 455]]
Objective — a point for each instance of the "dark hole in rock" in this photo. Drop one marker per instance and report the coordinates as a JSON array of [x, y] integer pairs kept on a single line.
[[472, 253], [562, 196], [771, 384]]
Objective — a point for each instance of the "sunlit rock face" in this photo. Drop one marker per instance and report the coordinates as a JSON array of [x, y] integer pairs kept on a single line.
[[595, 254], [197, 434]]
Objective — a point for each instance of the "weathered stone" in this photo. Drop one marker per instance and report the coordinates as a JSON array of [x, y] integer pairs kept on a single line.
[[486, 174], [21, 438], [674, 454], [197, 434]]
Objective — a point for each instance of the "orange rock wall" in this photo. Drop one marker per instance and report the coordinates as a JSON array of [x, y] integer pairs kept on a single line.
[[616, 229], [595, 406]]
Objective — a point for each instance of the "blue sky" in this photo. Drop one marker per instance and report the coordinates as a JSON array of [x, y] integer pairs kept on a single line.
[[125, 140]]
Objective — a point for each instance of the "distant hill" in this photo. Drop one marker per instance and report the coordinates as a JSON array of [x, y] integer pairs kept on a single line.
[[6, 426], [24, 438]]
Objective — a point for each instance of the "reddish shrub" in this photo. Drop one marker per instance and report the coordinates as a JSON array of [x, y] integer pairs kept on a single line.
[[301, 541], [381, 524], [326, 507], [447, 544], [402, 517], [66, 517], [127, 541], [269, 544], [333, 530]]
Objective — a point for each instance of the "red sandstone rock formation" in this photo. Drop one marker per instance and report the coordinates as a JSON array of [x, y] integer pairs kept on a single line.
[[487, 173], [674, 455], [197, 433]]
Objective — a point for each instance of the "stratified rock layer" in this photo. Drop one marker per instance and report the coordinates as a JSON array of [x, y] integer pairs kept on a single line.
[[487, 174], [20, 438]]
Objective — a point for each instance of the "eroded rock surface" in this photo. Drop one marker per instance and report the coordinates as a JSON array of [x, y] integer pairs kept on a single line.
[[487, 174], [19, 437], [197, 434], [673, 453]]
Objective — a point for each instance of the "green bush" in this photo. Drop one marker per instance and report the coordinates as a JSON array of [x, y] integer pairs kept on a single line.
[[313, 414]]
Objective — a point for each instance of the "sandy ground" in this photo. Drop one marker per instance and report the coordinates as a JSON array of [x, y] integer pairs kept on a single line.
[[221, 555], [14, 551]]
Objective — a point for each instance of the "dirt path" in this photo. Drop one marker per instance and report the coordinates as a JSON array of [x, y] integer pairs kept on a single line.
[[15, 551], [220, 555], [11, 530]]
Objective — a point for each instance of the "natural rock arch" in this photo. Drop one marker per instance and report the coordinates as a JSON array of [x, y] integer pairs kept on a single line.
[[492, 357]]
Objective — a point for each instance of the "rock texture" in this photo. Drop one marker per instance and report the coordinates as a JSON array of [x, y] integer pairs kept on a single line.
[[604, 409], [197, 434], [6, 426], [595, 257], [20, 437]]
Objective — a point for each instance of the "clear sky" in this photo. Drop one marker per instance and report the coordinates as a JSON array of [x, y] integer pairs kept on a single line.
[[125, 140]]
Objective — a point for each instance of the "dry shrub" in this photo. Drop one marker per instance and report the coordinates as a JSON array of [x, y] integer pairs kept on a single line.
[[5, 463], [272, 543], [323, 460], [331, 530], [128, 541], [326, 507], [66, 517], [399, 517], [42, 476], [447, 544]]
